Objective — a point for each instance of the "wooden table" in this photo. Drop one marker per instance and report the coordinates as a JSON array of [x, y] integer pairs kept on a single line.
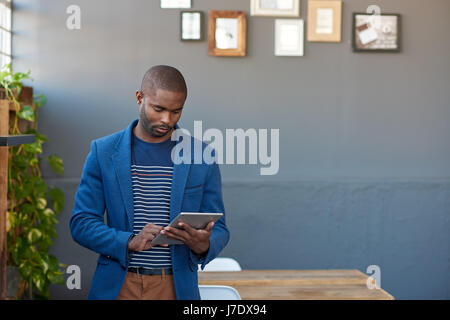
[[296, 284]]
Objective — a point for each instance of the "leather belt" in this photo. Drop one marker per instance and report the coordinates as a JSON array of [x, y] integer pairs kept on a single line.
[[150, 272]]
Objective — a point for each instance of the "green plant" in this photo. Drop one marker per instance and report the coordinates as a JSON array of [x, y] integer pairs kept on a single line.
[[30, 221]]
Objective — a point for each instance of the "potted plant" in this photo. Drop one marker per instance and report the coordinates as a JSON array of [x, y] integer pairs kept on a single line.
[[30, 221]]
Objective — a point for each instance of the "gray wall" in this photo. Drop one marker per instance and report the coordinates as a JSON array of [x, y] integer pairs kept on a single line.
[[364, 154]]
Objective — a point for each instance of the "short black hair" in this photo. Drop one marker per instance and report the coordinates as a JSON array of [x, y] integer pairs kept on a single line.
[[164, 77]]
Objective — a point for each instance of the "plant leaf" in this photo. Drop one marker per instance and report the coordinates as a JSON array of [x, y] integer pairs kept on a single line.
[[41, 203], [44, 263], [41, 138], [27, 208], [25, 269], [33, 148], [27, 113], [55, 277], [38, 280], [39, 100], [56, 164], [34, 235], [53, 263], [58, 199]]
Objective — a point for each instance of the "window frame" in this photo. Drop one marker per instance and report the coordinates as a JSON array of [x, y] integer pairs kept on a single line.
[[3, 30]]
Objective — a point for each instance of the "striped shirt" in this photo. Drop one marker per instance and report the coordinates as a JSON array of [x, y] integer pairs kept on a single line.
[[151, 175]]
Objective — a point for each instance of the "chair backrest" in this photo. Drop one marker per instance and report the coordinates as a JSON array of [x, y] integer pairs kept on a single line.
[[222, 264], [210, 292]]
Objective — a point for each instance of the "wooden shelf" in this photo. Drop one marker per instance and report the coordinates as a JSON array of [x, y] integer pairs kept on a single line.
[[6, 141]]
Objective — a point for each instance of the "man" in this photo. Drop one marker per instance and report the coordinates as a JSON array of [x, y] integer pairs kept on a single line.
[[131, 175]]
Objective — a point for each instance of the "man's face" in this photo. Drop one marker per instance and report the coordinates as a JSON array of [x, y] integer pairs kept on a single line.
[[159, 111]]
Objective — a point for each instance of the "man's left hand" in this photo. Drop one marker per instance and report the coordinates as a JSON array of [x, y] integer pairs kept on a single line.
[[196, 240]]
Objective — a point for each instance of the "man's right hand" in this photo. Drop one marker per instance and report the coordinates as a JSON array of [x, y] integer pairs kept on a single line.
[[143, 241]]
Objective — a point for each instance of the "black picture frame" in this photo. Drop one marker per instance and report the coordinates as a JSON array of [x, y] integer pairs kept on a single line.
[[202, 23], [399, 34]]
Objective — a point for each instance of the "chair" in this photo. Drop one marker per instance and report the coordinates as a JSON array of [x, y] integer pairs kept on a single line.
[[216, 292], [221, 264]]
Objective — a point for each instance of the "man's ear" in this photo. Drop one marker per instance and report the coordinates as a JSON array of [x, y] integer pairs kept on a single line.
[[139, 97]]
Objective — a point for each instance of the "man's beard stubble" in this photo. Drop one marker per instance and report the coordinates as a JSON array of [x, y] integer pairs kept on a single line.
[[151, 129]]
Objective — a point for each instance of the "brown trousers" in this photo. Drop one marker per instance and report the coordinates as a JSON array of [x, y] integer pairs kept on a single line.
[[145, 287]]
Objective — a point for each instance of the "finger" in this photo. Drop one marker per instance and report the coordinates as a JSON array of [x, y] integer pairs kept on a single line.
[[181, 234], [148, 235], [174, 236], [152, 226], [178, 232], [148, 245], [191, 231], [209, 226], [156, 229], [170, 232], [152, 231]]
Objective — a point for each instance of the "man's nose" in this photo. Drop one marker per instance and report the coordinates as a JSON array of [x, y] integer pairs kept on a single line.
[[166, 118]]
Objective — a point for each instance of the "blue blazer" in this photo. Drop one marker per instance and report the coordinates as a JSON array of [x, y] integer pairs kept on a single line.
[[106, 185]]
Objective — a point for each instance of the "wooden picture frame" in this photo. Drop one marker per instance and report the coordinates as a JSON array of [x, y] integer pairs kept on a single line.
[[275, 8], [325, 21], [376, 33], [289, 37], [191, 30], [227, 33], [175, 4]]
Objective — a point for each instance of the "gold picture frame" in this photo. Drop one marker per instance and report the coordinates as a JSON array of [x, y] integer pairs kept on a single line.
[[227, 33], [324, 21]]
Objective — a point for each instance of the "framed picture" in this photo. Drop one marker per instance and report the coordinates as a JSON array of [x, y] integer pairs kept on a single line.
[[376, 33], [191, 25], [227, 33], [275, 8], [175, 4], [289, 37], [324, 21]]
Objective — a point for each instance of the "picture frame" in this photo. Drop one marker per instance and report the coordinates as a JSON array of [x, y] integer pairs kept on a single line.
[[191, 26], [289, 37], [324, 21], [376, 33], [175, 4], [275, 8], [227, 33]]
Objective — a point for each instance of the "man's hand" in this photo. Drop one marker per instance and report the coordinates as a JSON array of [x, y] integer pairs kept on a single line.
[[196, 240], [143, 240]]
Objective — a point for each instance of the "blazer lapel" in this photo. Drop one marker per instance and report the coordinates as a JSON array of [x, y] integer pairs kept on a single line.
[[180, 175], [121, 159]]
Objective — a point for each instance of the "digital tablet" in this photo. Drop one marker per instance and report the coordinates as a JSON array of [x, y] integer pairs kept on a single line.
[[197, 220]]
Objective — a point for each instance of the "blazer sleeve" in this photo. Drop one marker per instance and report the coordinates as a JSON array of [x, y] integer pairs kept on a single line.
[[87, 222], [212, 202]]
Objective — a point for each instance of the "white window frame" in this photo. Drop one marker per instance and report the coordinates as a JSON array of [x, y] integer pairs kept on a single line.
[[5, 29]]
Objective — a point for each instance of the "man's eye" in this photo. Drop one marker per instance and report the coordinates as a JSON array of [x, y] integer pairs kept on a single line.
[[158, 109]]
